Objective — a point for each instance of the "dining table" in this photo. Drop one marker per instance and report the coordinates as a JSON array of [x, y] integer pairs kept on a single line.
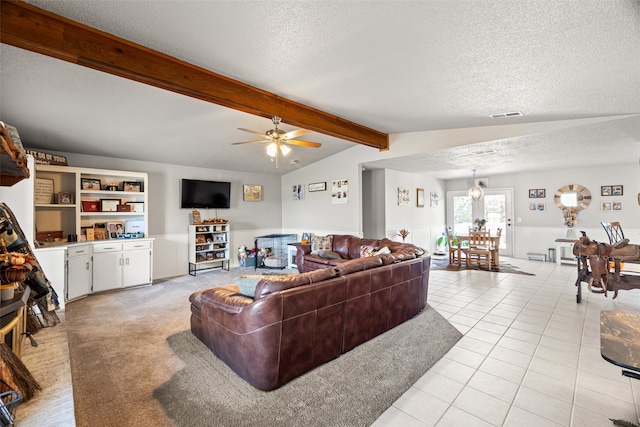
[[494, 238]]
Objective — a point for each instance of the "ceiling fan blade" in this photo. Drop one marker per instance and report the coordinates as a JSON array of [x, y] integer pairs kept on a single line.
[[251, 142], [252, 131], [303, 143], [295, 133]]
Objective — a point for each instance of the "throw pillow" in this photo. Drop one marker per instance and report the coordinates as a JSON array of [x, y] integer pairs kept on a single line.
[[328, 254], [367, 251], [321, 243], [247, 284], [384, 250]]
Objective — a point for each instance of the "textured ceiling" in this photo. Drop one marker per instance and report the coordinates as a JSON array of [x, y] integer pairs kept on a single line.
[[395, 66]]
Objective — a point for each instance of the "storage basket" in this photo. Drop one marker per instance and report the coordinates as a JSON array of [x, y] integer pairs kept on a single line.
[[9, 400]]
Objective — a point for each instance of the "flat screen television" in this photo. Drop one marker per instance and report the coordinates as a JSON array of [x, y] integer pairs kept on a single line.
[[205, 194]]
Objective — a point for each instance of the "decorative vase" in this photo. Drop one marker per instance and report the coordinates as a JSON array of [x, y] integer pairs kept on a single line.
[[571, 233]]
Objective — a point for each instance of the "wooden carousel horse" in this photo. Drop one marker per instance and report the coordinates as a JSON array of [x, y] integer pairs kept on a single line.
[[595, 260]]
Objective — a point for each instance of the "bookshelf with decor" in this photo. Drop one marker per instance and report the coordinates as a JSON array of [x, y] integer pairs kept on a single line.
[[208, 247], [106, 209], [70, 201]]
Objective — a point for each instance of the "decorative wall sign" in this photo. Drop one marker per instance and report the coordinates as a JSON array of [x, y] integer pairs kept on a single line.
[[317, 186], [43, 190]]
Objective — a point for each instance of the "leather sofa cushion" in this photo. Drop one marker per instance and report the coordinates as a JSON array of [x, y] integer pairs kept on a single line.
[[359, 264], [270, 284], [341, 243]]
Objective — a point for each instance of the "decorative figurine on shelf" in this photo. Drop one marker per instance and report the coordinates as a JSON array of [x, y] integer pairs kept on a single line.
[[196, 217]]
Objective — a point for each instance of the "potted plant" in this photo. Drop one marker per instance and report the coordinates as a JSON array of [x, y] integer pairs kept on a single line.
[[480, 223]]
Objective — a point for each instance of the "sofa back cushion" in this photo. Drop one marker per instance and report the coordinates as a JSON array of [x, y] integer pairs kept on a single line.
[[341, 244], [358, 264], [271, 284]]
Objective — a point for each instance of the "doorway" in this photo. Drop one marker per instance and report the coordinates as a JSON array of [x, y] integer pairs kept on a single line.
[[496, 207]]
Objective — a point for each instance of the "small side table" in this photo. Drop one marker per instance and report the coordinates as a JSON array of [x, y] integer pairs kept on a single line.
[[620, 341], [292, 250], [561, 244]]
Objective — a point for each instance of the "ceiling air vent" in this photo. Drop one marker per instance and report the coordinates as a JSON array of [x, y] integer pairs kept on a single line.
[[505, 115]]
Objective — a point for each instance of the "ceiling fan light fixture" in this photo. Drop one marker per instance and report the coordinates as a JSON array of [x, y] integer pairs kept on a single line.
[[285, 150], [272, 149]]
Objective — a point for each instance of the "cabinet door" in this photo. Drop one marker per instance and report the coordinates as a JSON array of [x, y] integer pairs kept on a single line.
[[107, 271], [78, 276], [137, 268]]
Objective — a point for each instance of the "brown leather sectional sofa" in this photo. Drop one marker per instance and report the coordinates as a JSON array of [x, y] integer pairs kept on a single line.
[[297, 322], [348, 247]]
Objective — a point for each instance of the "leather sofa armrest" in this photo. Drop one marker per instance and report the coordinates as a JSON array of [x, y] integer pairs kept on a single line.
[[226, 298], [302, 250]]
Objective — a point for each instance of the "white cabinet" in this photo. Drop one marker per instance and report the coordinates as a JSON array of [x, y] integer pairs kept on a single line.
[[107, 266], [79, 278], [136, 263], [208, 247], [121, 264]]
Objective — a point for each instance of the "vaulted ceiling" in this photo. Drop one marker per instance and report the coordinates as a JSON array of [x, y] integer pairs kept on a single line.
[[396, 67]]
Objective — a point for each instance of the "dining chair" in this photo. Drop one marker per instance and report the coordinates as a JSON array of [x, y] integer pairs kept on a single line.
[[614, 231], [479, 250], [455, 251], [495, 248]]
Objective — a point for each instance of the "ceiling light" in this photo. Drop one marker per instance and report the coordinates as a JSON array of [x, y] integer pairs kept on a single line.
[[272, 149], [506, 115], [475, 192], [285, 150]]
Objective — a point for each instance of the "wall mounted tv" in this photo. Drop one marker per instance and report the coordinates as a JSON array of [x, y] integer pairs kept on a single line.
[[205, 194]]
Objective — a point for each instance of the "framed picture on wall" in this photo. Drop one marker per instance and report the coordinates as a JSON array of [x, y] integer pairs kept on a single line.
[[403, 196], [252, 193], [605, 190], [420, 197]]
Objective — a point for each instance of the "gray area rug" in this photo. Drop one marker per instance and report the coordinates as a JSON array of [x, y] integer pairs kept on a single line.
[[134, 362], [352, 390], [443, 264]]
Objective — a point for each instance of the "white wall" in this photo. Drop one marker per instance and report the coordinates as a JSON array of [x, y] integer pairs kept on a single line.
[[168, 222], [536, 231], [424, 224], [19, 197]]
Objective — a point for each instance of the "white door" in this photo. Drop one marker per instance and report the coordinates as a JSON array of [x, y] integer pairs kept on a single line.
[[496, 207]]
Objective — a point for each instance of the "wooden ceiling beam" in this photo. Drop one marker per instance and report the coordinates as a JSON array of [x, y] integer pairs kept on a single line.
[[28, 27]]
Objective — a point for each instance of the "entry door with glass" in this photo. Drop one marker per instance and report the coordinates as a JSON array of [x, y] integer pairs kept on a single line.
[[495, 207]]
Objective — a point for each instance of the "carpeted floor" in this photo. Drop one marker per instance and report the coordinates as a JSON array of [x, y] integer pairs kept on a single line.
[[135, 363], [504, 267]]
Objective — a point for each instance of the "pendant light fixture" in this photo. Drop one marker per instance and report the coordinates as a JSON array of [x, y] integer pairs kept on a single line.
[[475, 192]]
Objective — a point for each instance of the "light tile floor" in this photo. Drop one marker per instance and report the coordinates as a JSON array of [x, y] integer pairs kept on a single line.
[[530, 355]]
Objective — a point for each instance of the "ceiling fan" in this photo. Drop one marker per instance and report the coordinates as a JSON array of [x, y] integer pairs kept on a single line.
[[279, 139]]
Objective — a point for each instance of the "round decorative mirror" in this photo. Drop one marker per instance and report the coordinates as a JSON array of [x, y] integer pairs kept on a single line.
[[572, 196]]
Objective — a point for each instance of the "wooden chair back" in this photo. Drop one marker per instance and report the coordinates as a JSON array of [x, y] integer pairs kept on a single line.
[[614, 231]]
